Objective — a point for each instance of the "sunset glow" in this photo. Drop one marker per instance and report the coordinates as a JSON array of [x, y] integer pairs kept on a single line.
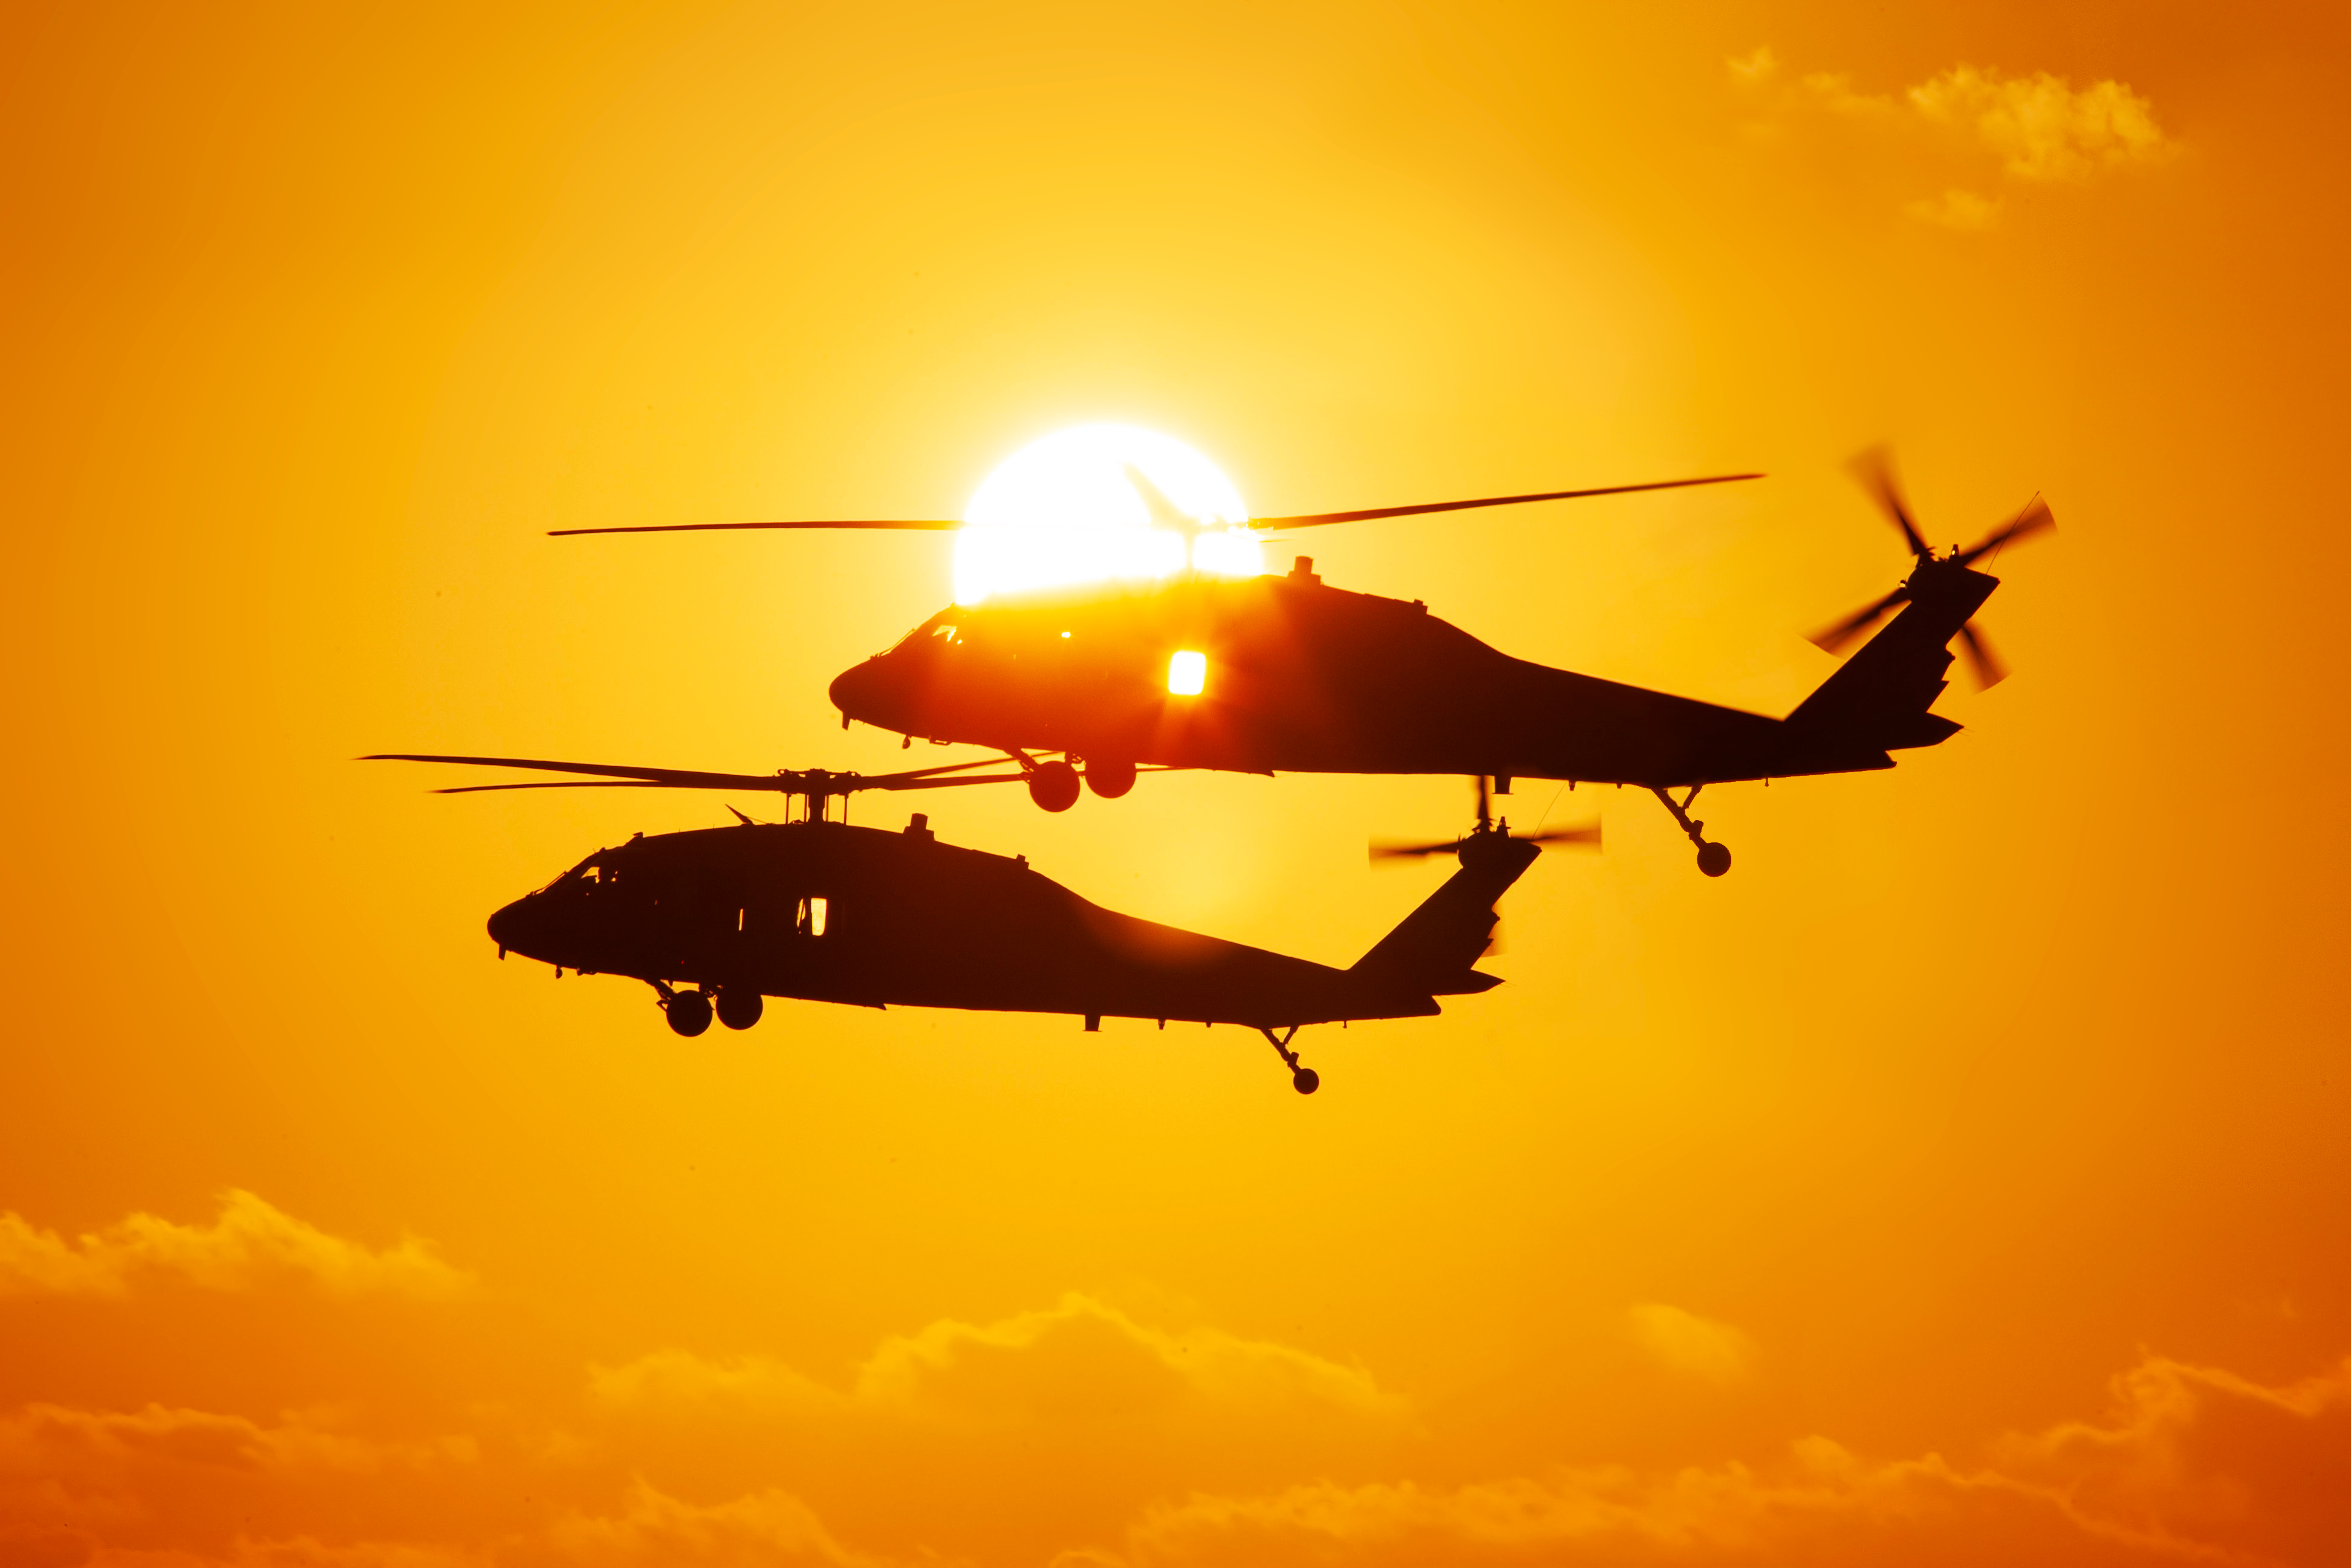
[[1962, 1181]]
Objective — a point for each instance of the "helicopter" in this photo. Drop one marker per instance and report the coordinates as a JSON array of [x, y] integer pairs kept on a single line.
[[716, 920], [1286, 673]]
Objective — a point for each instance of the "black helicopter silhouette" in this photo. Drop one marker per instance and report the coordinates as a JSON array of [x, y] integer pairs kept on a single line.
[[1283, 673], [717, 919]]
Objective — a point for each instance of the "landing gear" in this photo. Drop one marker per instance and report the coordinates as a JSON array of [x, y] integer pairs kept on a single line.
[[739, 1006], [1712, 858], [1305, 1080], [1109, 779], [689, 1012], [1053, 785]]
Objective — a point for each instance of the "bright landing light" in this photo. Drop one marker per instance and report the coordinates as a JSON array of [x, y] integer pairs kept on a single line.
[[1099, 503]]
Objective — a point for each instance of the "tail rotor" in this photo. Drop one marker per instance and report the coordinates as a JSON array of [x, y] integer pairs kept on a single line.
[[1875, 469]]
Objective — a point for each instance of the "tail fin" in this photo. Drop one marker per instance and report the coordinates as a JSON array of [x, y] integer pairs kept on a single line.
[[1877, 701], [1431, 952]]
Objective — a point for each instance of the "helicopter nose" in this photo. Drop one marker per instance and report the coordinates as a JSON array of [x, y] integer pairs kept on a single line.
[[516, 929], [865, 692]]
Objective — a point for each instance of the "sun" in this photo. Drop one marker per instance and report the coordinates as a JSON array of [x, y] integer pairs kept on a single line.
[[1096, 504]]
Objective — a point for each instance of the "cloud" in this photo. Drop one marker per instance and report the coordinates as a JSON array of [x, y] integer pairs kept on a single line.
[[1956, 209], [769, 1529], [1015, 1440], [251, 1243], [2042, 128], [2192, 1465], [1081, 1359], [1692, 1345], [1965, 125]]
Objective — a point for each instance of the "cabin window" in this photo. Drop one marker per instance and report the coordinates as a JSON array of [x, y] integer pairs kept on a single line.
[[811, 917], [1187, 673]]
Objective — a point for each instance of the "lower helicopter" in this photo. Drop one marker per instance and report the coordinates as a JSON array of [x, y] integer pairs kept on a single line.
[[716, 920]]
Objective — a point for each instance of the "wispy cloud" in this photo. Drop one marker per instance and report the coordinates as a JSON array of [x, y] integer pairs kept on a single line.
[[1980, 126], [2040, 127], [251, 1243], [1689, 1344]]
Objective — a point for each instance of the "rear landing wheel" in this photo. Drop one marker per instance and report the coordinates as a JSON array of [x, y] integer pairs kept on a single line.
[[689, 1013], [1054, 786], [1109, 779], [1714, 859], [1306, 1081], [740, 1008]]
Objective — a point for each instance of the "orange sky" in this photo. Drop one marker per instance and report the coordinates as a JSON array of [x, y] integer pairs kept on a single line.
[[1962, 1180]]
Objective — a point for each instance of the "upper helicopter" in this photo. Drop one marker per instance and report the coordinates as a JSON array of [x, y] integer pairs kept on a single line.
[[1182, 656]]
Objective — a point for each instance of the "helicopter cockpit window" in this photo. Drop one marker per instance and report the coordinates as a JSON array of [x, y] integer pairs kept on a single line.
[[811, 917], [937, 632]]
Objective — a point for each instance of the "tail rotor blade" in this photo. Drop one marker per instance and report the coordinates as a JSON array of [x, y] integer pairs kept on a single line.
[[1382, 850], [2035, 519], [1875, 469], [1587, 834], [1834, 637], [1990, 672]]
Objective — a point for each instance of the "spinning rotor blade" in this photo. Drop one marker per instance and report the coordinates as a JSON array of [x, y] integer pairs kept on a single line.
[[812, 782], [1988, 671], [1587, 834], [928, 525], [1323, 519], [1845, 630], [1387, 851], [2036, 517], [1875, 469]]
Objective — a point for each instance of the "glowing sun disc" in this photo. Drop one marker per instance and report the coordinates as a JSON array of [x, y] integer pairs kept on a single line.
[[1101, 503]]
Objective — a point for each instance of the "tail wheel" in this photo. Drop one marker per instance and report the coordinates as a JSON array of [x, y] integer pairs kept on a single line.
[[689, 1013], [1054, 786], [1109, 779], [740, 1007]]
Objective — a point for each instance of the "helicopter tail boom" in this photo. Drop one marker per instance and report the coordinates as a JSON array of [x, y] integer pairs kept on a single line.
[[1431, 951], [1877, 701]]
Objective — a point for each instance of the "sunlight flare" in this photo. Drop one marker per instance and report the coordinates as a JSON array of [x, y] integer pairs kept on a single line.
[[1101, 503]]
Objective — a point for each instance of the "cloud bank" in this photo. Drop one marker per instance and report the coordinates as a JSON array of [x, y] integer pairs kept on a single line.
[[250, 1244]]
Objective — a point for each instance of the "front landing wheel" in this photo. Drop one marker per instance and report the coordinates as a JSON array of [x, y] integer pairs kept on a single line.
[[1054, 786], [1714, 859], [689, 1013], [1306, 1081]]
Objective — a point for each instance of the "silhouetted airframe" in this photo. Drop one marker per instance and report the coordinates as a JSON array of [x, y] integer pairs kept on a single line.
[[1275, 675], [826, 912]]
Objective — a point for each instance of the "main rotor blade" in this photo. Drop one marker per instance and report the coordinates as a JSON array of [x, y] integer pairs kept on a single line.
[[1990, 672], [1875, 469], [1322, 519], [925, 525], [2035, 519], [813, 780], [1845, 630]]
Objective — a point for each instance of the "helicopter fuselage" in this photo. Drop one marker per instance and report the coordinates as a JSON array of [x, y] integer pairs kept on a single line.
[[827, 911], [1283, 673]]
